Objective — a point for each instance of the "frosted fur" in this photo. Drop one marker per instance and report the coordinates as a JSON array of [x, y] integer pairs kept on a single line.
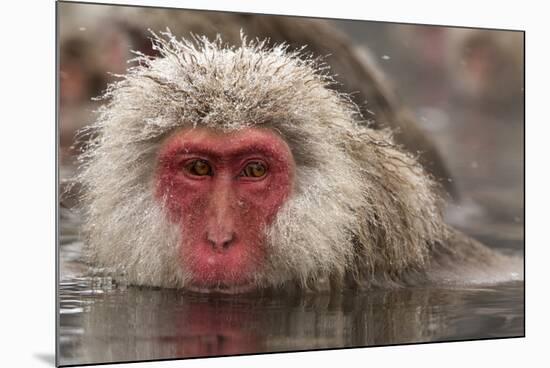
[[362, 210]]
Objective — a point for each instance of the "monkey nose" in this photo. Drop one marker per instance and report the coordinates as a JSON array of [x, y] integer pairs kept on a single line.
[[220, 241]]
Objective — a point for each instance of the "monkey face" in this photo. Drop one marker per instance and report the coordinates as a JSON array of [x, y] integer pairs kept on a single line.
[[223, 190]]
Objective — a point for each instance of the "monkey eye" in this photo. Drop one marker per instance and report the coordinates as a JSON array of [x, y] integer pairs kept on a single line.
[[199, 168], [254, 169]]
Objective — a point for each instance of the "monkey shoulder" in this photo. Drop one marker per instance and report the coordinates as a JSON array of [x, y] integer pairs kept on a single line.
[[462, 260]]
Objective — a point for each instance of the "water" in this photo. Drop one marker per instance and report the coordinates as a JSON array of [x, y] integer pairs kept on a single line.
[[135, 323], [102, 320]]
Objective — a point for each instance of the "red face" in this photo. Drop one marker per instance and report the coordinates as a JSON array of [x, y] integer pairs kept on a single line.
[[223, 189]]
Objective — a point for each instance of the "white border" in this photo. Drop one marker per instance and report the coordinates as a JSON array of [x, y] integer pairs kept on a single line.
[[27, 181]]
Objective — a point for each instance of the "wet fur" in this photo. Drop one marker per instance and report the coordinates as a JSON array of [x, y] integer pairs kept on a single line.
[[363, 212]]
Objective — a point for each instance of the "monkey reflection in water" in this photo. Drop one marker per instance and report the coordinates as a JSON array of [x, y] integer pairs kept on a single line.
[[202, 325], [231, 169]]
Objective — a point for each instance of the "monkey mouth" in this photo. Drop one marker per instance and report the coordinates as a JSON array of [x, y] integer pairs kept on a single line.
[[223, 273]]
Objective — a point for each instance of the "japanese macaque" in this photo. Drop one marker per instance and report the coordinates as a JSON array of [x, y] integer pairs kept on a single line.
[[488, 66], [217, 168]]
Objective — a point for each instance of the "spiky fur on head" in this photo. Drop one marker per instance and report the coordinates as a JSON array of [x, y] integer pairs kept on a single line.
[[361, 208]]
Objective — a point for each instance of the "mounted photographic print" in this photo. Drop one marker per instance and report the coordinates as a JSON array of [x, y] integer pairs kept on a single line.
[[235, 183]]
